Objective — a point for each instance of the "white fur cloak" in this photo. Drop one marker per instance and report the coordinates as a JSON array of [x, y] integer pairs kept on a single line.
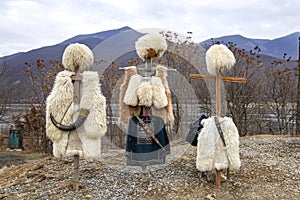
[[211, 153], [86, 140]]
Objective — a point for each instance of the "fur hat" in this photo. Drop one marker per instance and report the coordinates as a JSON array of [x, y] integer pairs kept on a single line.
[[151, 45], [78, 57], [218, 57]]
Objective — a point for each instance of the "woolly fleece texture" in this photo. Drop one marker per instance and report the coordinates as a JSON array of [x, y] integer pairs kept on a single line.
[[94, 127], [125, 110], [211, 153], [218, 57], [86, 140], [93, 100], [131, 96], [151, 41], [143, 91], [62, 85], [78, 57], [159, 97], [161, 72]]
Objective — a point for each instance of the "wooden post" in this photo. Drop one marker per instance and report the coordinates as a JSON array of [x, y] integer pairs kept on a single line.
[[219, 78], [76, 173], [144, 175], [218, 94], [228, 173], [76, 101], [218, 114], [148, 73], [148, 67]]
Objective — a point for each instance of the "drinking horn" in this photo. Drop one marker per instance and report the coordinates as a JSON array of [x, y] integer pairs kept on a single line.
[[79, 121]]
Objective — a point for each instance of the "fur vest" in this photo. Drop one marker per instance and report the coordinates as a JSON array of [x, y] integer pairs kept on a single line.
[[152, 92], [85, 140], [211, 153]]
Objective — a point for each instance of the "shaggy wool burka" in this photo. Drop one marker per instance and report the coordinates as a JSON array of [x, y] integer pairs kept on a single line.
[[211, 153], [154, 92], [85, 140]]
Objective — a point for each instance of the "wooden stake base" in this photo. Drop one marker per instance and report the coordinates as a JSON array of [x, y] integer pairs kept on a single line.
[[76, 173], [218, 177]]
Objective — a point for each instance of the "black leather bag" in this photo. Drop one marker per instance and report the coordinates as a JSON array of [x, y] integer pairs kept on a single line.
[[195, 128], [192, 137]]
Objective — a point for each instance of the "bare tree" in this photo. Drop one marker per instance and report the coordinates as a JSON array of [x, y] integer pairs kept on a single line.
[[8, 89], [33, 122], [243, 98], [3, 95], [108, 80], [298, 94], [280, 97]]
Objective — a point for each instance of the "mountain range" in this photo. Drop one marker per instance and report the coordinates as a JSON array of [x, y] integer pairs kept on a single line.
[[275, 48], [113, 44]]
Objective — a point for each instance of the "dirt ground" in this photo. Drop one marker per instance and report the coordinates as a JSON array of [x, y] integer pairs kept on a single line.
[[9, 158], [270, 170]]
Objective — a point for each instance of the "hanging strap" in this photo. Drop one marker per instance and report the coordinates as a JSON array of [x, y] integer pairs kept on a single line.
[[219, 130], [145, 127]]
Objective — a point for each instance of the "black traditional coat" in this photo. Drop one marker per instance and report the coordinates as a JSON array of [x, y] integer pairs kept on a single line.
[[141, 149]]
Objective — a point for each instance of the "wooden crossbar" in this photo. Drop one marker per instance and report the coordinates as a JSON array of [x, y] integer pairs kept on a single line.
[[224, 78], [143, 69]]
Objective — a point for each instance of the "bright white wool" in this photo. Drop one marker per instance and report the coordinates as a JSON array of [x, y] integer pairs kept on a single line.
[[218, 57], [150, 41], [211, 153]]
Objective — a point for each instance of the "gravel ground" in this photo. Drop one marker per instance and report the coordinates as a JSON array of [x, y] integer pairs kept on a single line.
[[270, 170]]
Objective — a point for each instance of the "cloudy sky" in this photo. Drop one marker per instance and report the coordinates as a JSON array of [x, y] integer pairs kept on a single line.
[[30, 24]]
